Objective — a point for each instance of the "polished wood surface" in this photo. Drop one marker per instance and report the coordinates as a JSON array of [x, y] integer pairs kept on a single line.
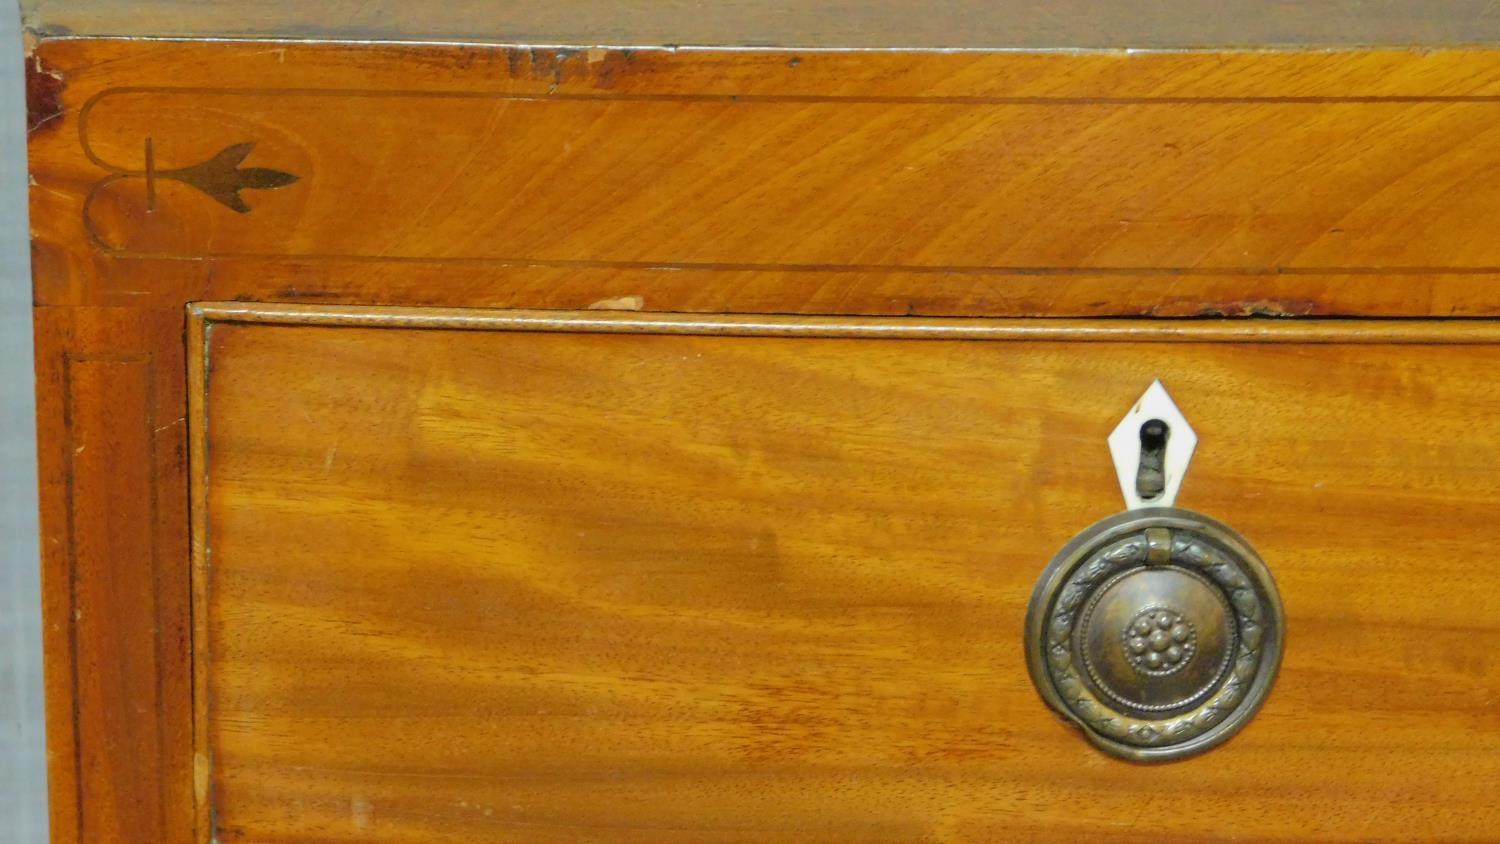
[[950, 184], [882, 24], [537, 576], [111, 412], [707, 189], [799, 184]]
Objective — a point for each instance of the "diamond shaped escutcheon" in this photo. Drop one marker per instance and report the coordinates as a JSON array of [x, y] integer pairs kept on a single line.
[[1126, 447]]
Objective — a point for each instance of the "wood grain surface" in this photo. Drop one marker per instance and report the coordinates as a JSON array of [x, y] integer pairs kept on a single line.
[[693, 183], [801, 184], [706, 581], [111, 412], [948, 184]]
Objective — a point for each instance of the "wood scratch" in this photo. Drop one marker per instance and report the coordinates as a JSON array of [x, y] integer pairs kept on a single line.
[[619, 303]]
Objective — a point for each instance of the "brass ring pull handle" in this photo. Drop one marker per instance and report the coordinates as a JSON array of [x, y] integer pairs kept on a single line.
[[1157, 631]]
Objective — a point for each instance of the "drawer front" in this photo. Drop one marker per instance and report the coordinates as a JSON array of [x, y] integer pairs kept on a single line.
[[488, 575]]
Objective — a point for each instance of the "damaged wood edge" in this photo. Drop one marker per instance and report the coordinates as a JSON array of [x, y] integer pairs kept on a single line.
[[597, 65], [44, 87], [1260, 308]]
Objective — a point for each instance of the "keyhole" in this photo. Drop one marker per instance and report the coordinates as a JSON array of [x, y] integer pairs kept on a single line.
[[1151, 476]]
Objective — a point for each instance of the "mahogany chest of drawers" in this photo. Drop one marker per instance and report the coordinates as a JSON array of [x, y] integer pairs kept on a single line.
[[471, 424]]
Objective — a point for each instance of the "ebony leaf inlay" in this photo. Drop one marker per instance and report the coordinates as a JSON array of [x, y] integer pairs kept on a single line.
[[222, 178]]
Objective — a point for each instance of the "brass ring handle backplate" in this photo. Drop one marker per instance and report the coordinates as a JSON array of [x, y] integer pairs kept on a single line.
[[1157, 631]]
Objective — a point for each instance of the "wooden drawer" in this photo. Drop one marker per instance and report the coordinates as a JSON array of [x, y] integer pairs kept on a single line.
[[545, 576]]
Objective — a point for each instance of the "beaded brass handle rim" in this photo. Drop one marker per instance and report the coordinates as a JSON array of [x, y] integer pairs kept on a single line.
[[1092, 662]]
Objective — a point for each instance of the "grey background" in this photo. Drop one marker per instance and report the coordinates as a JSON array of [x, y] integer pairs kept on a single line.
[[963, 24], [23, 783]]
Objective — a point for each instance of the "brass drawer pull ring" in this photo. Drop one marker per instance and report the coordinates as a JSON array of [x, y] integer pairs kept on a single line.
[[1157, 631]]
